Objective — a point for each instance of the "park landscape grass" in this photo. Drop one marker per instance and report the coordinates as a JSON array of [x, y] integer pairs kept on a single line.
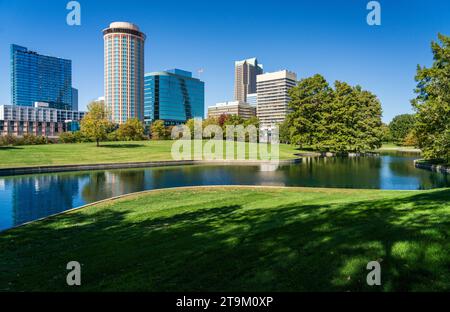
[[108, 152], [238, 239]]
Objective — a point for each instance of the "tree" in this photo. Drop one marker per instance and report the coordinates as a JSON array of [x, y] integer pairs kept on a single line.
[[158, 130], [222, 119], [401, 126], [432, 103], [284, 132], [410, 139], [254, 121], [386, 137], [234, 120], [132, 129], [309, 103], [342, 119], [95, 124]]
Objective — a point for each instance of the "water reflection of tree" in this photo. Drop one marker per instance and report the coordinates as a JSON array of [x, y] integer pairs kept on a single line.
[[106, 184], [355, 172], [95, 189]]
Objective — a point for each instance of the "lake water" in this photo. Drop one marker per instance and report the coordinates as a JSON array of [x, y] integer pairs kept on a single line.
[[30, 197]]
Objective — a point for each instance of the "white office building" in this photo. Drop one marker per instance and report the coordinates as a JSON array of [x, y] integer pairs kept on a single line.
[[273, 99], [238, 108]]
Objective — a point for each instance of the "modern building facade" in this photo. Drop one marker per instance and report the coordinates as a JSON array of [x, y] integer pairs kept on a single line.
[[252, 99], [40, 78], [238, 108], [39, 119], [173, 96], [273, 97], [74, 99], [124, 71], [245, 73]]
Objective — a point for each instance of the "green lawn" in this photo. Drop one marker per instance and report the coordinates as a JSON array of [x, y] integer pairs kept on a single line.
[[88, 153], [394, 147], [238, 239]]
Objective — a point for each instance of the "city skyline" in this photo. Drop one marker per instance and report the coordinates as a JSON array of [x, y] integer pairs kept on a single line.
[[381, 59]]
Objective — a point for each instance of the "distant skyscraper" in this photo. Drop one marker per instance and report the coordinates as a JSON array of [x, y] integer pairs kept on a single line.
[[245, 73], [273, 97], [74, 99], [173, 96], [124, 71], [40, 78]]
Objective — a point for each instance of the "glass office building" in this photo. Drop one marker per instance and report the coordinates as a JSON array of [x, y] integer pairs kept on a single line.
[[40, 78], [74, 99], [173, 96]]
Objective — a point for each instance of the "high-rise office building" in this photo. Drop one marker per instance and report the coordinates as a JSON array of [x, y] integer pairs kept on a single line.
[[124, 71], [245, 73], [173, 96], [273, 97], [40, 78]]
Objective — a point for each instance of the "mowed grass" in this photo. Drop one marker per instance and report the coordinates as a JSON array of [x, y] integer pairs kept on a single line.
[[238, 239], [108, 152]]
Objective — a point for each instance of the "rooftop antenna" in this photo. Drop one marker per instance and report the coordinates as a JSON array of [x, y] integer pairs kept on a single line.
[[200, 72]]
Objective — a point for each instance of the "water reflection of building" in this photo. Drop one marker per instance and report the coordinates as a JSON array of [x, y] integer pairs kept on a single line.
[[35, 197], [107, 184]]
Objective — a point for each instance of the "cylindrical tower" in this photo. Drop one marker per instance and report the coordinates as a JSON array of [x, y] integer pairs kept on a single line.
[[124, 71]]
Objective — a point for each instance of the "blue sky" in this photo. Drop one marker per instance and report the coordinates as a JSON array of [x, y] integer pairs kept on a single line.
[[327, 37]]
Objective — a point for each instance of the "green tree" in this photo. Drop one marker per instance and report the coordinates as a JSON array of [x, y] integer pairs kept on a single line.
[[342, 119], [367, 122], [132, 129], [401, 126], [158, 130], [386, 137], [254, 121], [284, 132], [95, 124], [234, 120], [432, 103], [309, 103]]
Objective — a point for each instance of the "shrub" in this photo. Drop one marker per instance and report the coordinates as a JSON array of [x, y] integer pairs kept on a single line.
[[112, 136], [7, 140], [67, 137]]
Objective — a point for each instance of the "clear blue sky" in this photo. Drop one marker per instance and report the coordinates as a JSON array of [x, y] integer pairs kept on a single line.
[[327, 37]]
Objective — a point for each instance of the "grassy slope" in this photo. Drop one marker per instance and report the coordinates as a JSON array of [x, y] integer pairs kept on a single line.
[[88, 153], [239, 239]]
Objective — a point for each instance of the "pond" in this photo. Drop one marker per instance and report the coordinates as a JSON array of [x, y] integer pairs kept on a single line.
[[30, 197]]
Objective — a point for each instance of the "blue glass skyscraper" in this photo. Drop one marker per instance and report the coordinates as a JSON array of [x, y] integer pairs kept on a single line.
[[40, 78], [173, 96]]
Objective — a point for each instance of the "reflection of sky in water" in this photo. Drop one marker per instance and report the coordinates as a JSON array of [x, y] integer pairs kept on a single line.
[[29, 197], [392, 180]]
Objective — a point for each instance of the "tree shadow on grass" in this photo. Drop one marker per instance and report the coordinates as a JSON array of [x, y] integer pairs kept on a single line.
[[10, 148], [122, 145], [228, 248]]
